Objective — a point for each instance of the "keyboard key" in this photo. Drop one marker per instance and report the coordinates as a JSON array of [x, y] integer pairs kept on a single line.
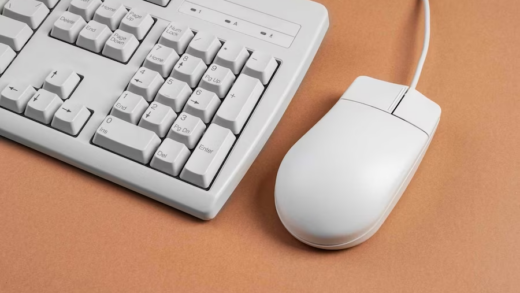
[[161, 59], [202, 104], [160, 2], [67, 27], [16, 96], [62, 82], [208, 156], [218, 79], [84, 8], [70, 117], [233, 56], [261, 66], [49, 3], [42, 106], [189, 69], [158, 118], [6, 57], [14, 33], [129, 107], [110, 13], [204, 46], [126, 139], [170, 157], [30, 12], [137, 23], [174, 93], [239, 103], [187, 129], [120, 46], [94, 36], [176, 36], [146, 83]]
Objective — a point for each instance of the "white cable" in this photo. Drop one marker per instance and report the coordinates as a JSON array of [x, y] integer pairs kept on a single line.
[[426, 45]]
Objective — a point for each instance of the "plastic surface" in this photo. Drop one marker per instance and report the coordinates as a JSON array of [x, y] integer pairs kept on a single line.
[[339, 182]]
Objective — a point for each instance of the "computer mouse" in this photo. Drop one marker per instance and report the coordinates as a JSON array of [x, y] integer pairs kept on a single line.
[[337, 185]]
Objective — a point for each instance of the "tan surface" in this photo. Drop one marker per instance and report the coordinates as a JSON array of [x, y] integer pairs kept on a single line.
[[456, 229]]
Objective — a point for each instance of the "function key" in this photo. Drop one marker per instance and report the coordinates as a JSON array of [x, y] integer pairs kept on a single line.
[[146, 83], [208, 156], [42, 106], [14, 33], [187, 129], [110, 13], [174, 93], [161, 59], [70, 117], [232, 55], [30, 12], [261, 66], [189, 69], [16, 96], [218, 79], [204, 46], [120, 46], [170, 157], [94, 36], [129, 107], [202, 104], [176, 36], [137, 23], [158, 118], [67, 27], [61, 82], [6, 57], [84, 8]]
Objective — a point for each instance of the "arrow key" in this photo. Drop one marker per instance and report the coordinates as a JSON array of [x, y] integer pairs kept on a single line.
[[70, 117], [62, 82], [202, 104], [42, 106], [146, 83], [16, 96], [158, 118]]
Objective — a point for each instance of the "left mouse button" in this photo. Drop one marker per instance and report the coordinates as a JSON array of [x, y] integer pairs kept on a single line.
[[375, 93]]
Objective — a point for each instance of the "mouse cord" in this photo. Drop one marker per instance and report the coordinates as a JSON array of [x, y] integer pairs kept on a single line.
[[426, 45]]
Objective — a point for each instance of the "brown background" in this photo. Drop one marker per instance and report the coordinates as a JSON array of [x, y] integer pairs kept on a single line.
[[456, 229]]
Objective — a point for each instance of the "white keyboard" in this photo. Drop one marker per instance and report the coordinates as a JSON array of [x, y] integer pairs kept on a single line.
[[173, 99]]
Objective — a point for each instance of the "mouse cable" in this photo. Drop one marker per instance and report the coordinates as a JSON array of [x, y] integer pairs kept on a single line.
[[426, 45]]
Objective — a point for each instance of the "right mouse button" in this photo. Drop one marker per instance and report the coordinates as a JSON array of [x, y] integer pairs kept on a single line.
[[420, 111]]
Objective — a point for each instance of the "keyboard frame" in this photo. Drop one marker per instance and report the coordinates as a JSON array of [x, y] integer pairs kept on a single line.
[[106, 79]]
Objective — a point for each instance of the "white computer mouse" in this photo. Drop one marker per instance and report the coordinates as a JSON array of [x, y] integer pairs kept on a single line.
[[338, 183]]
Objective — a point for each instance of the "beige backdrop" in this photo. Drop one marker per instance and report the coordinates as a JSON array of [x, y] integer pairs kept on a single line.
[[456, 229]]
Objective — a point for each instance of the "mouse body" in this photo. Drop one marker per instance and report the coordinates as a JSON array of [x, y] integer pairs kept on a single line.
[[339, 182]]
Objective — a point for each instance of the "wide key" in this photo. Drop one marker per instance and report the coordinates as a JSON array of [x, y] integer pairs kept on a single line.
[[239, 103], [42, 106], [62, 82], [67, 27], [6, 57], [70, 117], [14, 33], [30, 12], [208, 156], [174, 93], [127, 139], [146, 83], [218, 79], [187, 129], [129, 107], [16, 96], [189, 69], [158, 118]]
